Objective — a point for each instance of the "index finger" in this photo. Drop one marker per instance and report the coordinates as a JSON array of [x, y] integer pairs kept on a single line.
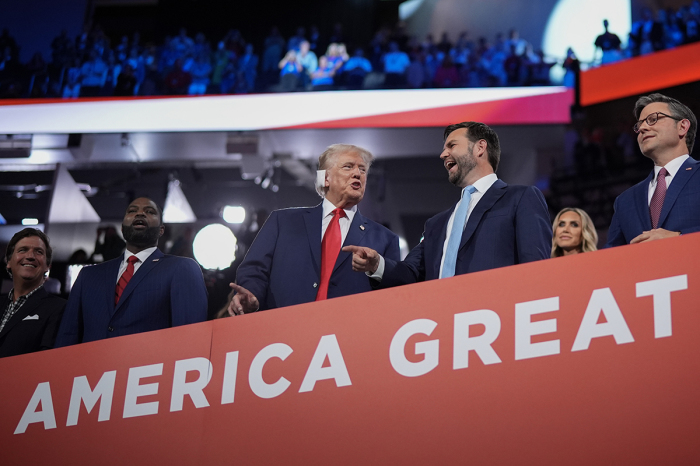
[[353, 249], [238, 288]]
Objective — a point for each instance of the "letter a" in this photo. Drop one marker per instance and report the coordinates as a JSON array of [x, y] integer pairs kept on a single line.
[[602, 300], [42, 395]]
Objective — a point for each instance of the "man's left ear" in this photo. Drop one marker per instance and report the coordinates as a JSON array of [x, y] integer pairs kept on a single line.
[[684, 127], [162, 231]]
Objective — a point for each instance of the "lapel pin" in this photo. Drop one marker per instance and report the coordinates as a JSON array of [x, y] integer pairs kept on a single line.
[[689, 168], [362, 227], [156, 260]]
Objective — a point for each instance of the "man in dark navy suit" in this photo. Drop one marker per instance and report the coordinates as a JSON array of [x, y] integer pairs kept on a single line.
[[493, 225], [29, 315], [296, 256], [666, 203], [141, 291]]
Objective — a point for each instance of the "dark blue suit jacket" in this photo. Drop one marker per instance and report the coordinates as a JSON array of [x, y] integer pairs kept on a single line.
[[24, 334], [680, 212], [283, 265], [510, 225], [165, 291]]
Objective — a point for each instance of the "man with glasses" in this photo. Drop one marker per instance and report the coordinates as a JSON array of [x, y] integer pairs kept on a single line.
[[666, 203]]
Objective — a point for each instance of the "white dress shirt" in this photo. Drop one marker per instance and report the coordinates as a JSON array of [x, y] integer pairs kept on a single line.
[[672, 168], [143, 255], [344, 222]]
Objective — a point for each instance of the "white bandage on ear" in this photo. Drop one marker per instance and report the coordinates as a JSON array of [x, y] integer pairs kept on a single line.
[[320, 181]]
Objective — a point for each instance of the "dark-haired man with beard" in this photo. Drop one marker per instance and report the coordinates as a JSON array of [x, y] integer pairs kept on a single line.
[[141, 291]]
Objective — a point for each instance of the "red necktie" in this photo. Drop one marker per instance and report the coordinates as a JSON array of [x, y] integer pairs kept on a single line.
[[124, 279], [330, 247], [657, 199]]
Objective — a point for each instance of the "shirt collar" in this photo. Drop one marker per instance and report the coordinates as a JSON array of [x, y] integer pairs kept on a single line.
[[672, 167], [143, 255], [328, 207], [12, 294], [484, 183]]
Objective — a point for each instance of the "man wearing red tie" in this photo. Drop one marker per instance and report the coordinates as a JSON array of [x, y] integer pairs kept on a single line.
[[666, 203], [140, 291], [296, 257]]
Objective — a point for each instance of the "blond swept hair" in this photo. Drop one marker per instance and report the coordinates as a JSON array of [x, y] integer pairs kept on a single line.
[[327, 159], [589, 236]]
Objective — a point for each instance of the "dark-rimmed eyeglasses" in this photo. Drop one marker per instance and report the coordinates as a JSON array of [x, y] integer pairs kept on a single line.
[[651, 120]]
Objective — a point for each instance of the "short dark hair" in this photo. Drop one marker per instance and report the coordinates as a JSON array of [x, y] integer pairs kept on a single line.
[[477, 131], [26, 233], [678, 110]]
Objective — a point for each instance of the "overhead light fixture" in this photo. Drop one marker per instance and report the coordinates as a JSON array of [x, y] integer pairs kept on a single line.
[[177, 209], [30, 221], [214, 246], [233, 214]]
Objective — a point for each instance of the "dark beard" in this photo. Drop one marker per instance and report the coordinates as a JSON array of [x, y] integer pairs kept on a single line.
[[464, 166], [146, 238]]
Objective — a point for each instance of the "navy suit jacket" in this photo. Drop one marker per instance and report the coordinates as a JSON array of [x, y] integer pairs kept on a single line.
[[23, 335], [510, 225], [165, 291], [283, 265], [680, 212]]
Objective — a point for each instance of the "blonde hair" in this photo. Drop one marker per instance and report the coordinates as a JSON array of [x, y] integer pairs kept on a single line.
[[327, 159], [589, 236]]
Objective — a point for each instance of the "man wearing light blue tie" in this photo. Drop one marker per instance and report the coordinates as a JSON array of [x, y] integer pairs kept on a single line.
[[493, 224]]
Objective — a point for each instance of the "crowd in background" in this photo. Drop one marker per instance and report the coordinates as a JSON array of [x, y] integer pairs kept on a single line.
[[666, 29], [93, 65]]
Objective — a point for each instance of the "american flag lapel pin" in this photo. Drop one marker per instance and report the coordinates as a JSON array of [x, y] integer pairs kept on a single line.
[[156, 260], [689, 168], [362, 227]]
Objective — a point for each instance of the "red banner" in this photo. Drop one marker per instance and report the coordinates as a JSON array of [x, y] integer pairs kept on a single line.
[[590, 359], [641, 75]]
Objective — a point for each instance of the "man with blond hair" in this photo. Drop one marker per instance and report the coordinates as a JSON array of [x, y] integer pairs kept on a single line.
[[296, 256]]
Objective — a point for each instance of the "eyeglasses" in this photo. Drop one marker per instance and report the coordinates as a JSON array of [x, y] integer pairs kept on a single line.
[[651, 120]]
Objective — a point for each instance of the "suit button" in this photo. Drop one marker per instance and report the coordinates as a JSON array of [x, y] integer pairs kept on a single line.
[[315, 285], [111, 329]]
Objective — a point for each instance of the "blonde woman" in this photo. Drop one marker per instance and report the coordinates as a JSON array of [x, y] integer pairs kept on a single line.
[[574, 232]]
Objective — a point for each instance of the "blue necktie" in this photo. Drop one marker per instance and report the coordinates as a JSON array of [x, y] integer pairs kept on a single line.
[[448, 267]]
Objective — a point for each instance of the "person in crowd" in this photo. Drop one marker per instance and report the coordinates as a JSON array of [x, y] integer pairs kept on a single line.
[[142, 290], [609, 44], [355, 69], [296, 256], [93, 75], [322, 78], [200, 71], [248, 67], [574, 233], [71, 89], [493, 224], [273, 49], [395, 64], [290, 71], [177, 81], [665, 204], [446, 75], [30, 315], [308, 62]]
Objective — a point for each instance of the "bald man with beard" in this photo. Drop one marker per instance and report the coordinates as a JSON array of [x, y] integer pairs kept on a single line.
[[140, 291]]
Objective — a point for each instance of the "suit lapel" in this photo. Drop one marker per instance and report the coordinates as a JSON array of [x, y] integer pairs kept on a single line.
[[679, 181], [313, 218], [28, 308], [149, 264], [487, 201], [354, 237], [437, 247], [641, 200]]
